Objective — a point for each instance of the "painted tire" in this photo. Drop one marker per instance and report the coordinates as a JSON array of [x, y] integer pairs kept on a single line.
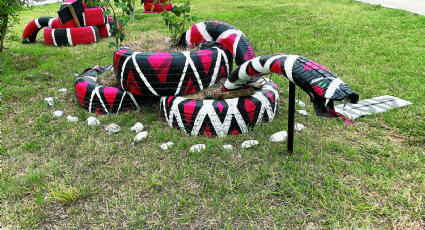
[[167, 74], [157, 7], [229, 36], [91, 17], [106, 30], [222, 117], [317, 81], [71, 36], [151, 1], [32, 29], [100, 99]]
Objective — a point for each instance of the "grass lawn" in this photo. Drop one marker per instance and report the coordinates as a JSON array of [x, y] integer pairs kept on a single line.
[[61, 175]]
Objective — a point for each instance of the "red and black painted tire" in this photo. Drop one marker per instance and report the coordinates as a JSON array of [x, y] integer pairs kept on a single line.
[[152, 1], [176, 73], [71, 36], [91, 17], [101, 99], [222, 117], [106, 29], [157, 7], [32, 29], [229, 36]]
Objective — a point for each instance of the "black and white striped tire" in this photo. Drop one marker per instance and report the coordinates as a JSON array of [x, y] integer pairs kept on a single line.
[[318, 82], [222, 117], [71, 36], [100, 99], [166, 74], [229, 36], [32, 29], [106, 29]]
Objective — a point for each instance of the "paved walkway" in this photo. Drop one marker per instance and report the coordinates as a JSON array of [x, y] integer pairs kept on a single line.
[[415, 6], [41, 2]]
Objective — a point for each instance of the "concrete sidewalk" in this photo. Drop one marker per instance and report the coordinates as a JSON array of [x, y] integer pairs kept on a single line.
[[41, 2], [415, 6]]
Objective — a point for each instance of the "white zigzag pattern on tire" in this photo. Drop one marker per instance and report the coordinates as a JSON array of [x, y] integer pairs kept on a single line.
[[221, 128], [188, 62], [95, 92]]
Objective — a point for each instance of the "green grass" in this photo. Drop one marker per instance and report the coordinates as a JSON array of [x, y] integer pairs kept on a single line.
[[57, 174]]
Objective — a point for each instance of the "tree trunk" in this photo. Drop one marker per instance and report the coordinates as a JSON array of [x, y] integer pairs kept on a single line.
[[3, 29], [132, 12]]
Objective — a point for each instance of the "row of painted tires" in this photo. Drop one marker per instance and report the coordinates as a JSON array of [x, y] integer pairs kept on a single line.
[[94, 25]]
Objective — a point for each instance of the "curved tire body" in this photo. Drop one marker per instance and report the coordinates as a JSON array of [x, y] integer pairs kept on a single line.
[[222, 117], [317, 81], [166, 74], [100, 99], [71, 36], [32, 29], [229, 36]]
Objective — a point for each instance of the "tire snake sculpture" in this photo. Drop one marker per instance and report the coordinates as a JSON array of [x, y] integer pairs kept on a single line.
[[93, 21], [138, 74]]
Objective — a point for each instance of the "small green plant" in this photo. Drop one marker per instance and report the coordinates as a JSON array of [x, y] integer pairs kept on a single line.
[[127, 8], [178, 19]]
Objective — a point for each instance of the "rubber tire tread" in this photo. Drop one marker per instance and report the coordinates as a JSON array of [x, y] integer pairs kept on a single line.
[[101, 99], [32, 29], [212, 30], [81, 35], [222, 117], [106, 29], [165, 79]]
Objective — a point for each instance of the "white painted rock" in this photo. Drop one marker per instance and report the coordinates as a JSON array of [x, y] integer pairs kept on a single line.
[[50, 101], [113, 128], [140, 136], [302, 112], [165, 146], [63, 90], [138, 127], [249, 144], [279, 136], [197, 148], [299, 127], [228, 147], [57, 113], [301, 103], [72, 119], [92, 121]]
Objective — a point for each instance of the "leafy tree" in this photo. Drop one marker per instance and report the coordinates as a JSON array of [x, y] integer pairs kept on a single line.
[[8, 16], [178, 19], [127, 8]]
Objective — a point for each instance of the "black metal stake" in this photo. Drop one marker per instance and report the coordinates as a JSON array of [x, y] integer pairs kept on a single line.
[[291, 118]]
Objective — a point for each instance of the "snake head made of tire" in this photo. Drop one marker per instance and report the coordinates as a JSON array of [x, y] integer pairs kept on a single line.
[[318, 82]]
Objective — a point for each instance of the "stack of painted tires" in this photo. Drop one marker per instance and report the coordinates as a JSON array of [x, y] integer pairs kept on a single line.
[[168, 77], [94, 24], [156, 6]]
